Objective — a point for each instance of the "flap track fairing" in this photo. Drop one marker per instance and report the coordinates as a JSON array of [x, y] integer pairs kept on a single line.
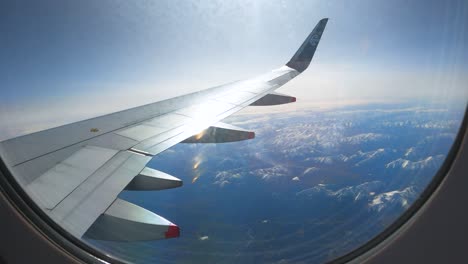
[[221, 133], [274, 99], [153, 180], [125, 221]]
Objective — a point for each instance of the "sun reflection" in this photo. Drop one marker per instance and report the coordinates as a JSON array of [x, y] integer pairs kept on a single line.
[[196, 164], [195, 178], [200, 135], [201, 123]]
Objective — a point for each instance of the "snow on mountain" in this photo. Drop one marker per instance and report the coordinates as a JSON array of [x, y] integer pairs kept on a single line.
[[316, 190], [368, 156], [431, 162], [306, 137], [324, 160], [417, 152], [370, 192], [223, 178], [361, 138], [434, 124], [271, 172], [359, 158], [409, 152], [310, 171], [401, 198], [359, 192]]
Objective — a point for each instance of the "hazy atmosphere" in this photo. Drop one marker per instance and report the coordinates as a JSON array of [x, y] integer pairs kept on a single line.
[[63, 61]]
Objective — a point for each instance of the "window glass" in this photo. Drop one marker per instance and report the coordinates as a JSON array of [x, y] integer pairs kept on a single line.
[[377, 111]]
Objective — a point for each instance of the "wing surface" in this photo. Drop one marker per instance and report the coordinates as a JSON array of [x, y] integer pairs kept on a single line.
[[76, 171]]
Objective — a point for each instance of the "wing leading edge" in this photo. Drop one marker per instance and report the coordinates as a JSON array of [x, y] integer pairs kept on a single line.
[[75, 172]]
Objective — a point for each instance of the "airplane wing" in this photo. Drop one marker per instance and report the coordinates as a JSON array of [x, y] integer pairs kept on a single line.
[[75, 172]]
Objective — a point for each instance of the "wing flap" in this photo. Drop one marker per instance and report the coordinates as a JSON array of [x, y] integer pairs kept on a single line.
[[77, 212], [30, 170], [55, 184]]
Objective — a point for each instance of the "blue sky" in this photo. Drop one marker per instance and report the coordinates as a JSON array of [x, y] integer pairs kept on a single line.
[[63, 61]]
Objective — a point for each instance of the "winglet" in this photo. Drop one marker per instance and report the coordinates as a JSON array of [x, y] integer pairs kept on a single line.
[[301, 60]]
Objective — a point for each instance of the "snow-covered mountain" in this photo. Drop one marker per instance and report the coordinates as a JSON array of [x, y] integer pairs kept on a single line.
[[371, 192], [360, 192], [431, 162], [402, 198], [320, 178], [271, 173], [362, 138]]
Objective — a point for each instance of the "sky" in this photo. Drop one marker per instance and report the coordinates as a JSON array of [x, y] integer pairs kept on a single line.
[[63, 61]]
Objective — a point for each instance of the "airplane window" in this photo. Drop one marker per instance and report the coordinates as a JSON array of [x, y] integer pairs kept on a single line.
[[327, 121]]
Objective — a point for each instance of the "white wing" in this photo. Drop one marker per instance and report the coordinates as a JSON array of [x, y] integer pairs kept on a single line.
[[75, 172]]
